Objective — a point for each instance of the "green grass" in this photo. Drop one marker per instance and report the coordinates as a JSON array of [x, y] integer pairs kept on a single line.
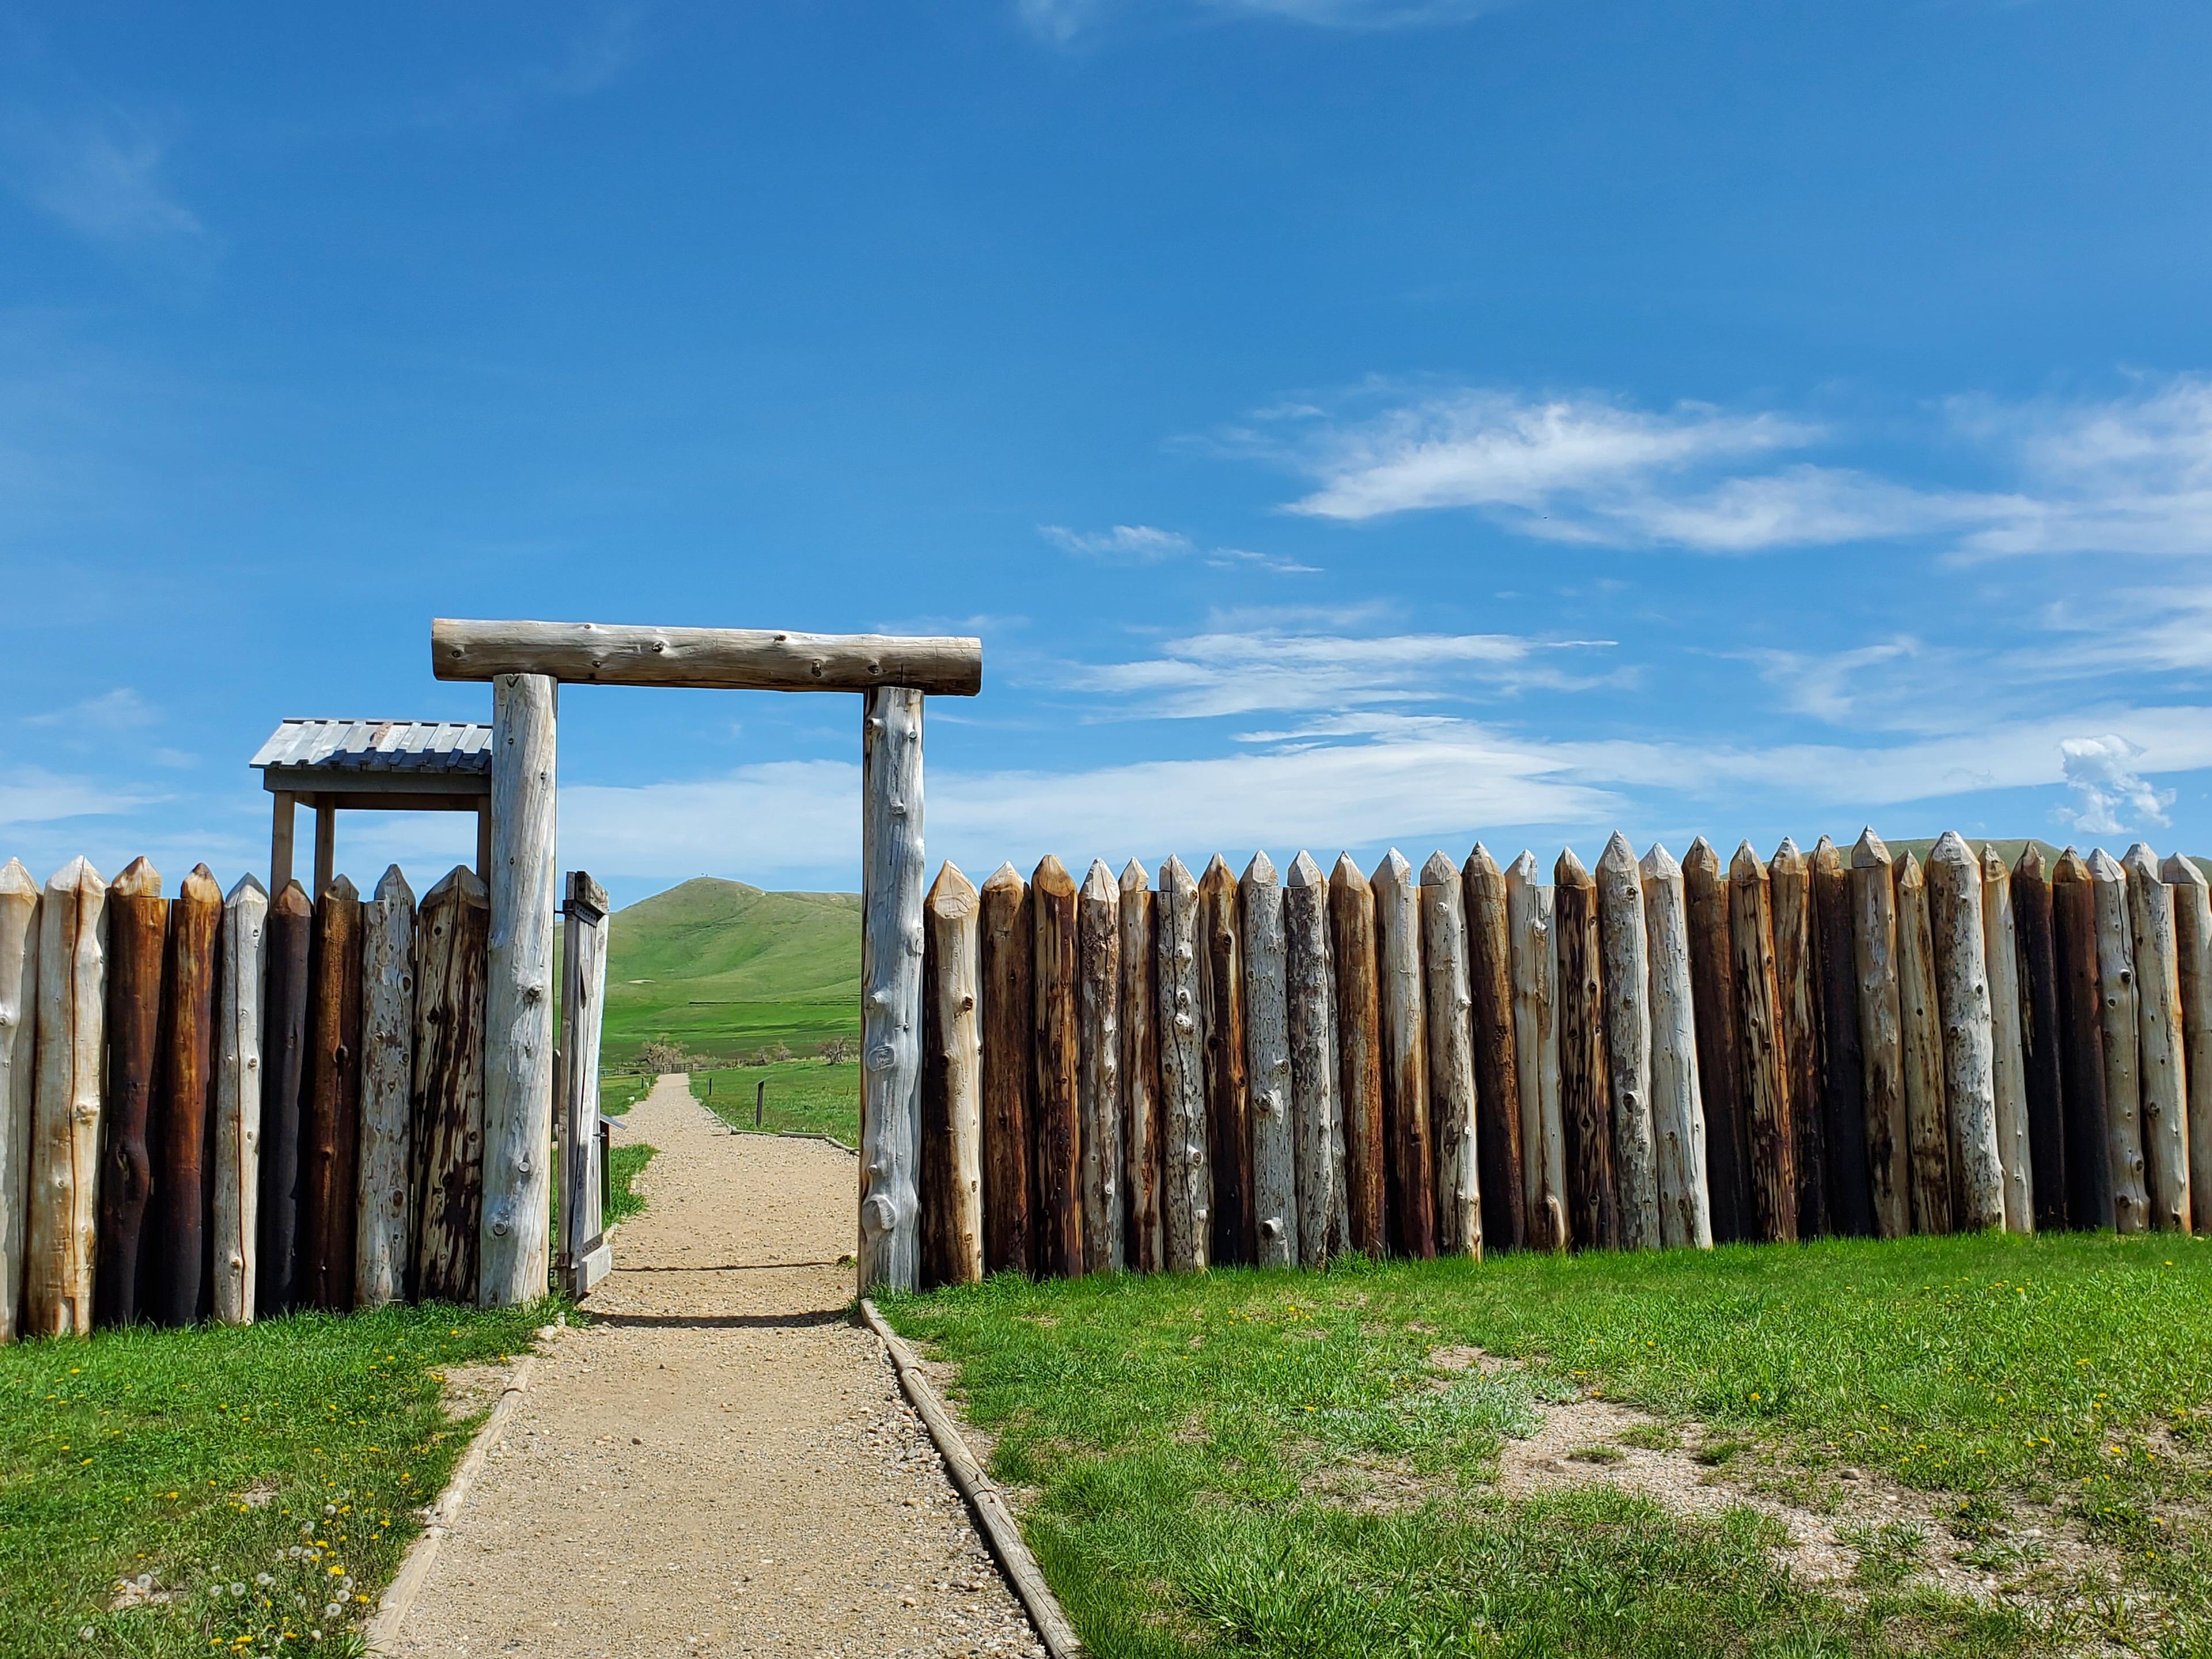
[[618, 1094], [804, 1095], [1189, 1441], [625, 1165], [298, 1449]]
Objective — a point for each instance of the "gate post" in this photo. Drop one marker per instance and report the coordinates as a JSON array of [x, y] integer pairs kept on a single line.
[[889, 1254], [584, 1258]]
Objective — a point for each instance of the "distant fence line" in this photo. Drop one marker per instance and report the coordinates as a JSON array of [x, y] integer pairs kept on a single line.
[[1276, 1069]]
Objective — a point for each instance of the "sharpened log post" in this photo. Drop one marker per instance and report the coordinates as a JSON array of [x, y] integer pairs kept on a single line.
[[1927, 1124], [177, 1291], [1315, 1125], [285, 1056], [2120, 1016], [234, 1215], [2165, 1088], [513, 1244], [1720, 1060], [382, 1198], [1228, 1095], [1143, 1248], [1412, 1202], [1796, 982], [1585, 1099], [1268, 1063], [1058, 1046], [1497, 1070], [1771, 1164], [951, 1092], [1528, 915], [1186, 1182], [1098, 1087], [452, 932], [1359, 1058], [2041, 1037], [2081, 1043], [1678, 1117], [1962, 996], [72, 987], [19, 1078], [330, 1118], [1627, 950], [1881, 1034], [2192, 938], [1843, 1106], [1447, 1003], [2001, 951], [1009, 1069], [137, 936]]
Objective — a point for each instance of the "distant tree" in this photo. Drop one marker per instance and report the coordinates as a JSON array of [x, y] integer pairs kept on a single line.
[[836, 1050], [659, 1055]]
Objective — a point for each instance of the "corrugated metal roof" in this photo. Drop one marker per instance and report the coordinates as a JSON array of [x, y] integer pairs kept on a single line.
[[338, 745]]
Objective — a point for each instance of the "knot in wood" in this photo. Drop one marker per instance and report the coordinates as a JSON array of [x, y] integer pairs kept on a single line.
[[1184, 1022], [882, 1057], [878, 1216], [1271, 1227]]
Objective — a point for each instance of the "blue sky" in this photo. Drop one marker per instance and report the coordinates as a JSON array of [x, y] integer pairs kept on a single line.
[[1344, 422]]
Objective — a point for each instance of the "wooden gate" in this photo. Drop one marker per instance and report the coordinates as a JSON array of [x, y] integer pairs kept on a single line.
[[583, 1257]]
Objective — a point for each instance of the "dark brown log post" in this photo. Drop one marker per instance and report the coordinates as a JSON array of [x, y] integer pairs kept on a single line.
[[2081, 1043], [1797, 981], [1720, 1064], [329, 1118], [1585, 1091], [1843, 1103], [1359, 1055], [452, 932], [284, 1056], [1058, 1048], [1145, 1247], [181, 1292], [2039, 1034], [1771, 1164], [1228, 1094], [1009, 1072], [137, 924], [1497, 1073]]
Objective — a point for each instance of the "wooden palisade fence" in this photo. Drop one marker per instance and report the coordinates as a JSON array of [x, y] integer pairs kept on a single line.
[[1277, 1070]]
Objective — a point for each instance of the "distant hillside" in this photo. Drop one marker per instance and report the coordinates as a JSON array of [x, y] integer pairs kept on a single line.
[[725, 969]]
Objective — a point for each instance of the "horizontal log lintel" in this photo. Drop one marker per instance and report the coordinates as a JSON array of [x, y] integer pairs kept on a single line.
[[714, 658]]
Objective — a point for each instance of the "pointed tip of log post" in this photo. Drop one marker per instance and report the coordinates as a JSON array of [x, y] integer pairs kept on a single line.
[[1051, 878], [1099, 886], [77, 876], [952, 895], [1135, 878], [294, 901], [2103, 867], [342, 890], [393, 889], [459, 879], [1787, 859], [1702, 857], [1993, 864], [1745, 869], [1568, 872], [2179, 871], [2071, 867], [248, 883], [1870, 852], [139, 879], [1480, 864], [1910, 876], [1175, 877], [2030, 864], [1004, 877], [1658, 863], [201, 885], [1347, 875], [1951, 848], [1825, 858], [1393, 871], [2141, 864], [1215, 872], [15, 880], [1618, 858], [1260, 872], [1439, 871], [1522, 871], [1305, 871]]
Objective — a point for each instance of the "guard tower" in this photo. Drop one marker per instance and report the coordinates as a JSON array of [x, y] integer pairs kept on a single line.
[[371, 766]]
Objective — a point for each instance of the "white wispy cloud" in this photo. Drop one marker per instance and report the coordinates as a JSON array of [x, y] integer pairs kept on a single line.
[[588, 62], [1145, 544], [1062, 21], [33, 795], [2101, 771], [99, 171], [121, 709]]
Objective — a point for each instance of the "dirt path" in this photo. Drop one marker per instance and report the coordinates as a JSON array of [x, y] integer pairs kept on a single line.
[[722, 1463]]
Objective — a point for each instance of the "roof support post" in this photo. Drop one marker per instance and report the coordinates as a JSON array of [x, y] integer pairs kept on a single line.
[[890, 1254], [283, 815], [326, 843]]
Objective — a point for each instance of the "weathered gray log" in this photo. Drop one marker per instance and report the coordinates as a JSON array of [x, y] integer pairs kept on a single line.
[[1009, 1066], [1412, 1200], [1057, 1043], [2039, 1036], [1797, 981], [234, 1180], [725, 659], [1677, 1115], [1448, 1005], [1962, 996], [384, 1203], [2164, 1083], [2081, 1043], [1720, 1057], [72, 989], [175, 1292], [2008, 1052], [1881, 1036], [1628, 1041], [452, 927], [1843, 1106], [1143, 1248], [284, 1058], [137, 936], [1267, 1065], [1771, 1164], [19, 1078], [511, 1249], [1585, 1100], [1228, 1094], [584, 1256], [2121, 1018], [1927, 1124], [1497, 1069], [951, 1193], [1316, 1129], [2192, 938], [1536, 1055], [1098, 1077], [1186, 1182], [892, 874], [329, 1116], [1359, 1057]]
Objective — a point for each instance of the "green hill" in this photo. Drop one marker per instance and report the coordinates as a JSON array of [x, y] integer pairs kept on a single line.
[[727, 970]]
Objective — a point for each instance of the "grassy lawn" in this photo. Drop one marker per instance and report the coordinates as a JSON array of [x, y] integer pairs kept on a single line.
[[1258, 1463], [618, 1094], [803, 1095]]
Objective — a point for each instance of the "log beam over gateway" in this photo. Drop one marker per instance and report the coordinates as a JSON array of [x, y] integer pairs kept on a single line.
[[715, 659]]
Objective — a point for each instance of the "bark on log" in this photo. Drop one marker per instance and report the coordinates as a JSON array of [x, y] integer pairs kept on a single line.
[[382, 1194], [1316, 1129], [1267, 1065], [1228, 1096], [1143, 1248], [2192, 937], [177, 1290], [1058, 1045], [138, 938], [1772, 1163], [1927, 1126], [72, 989], [2001, 949], [234, 1212], [1628, 1041], [892, 874], [1186, 1178], [1098, 1077], [1677, 1117], [1843, 1106], [727, 659], [1497, 1070], [2040, 1041], [1796, 982], [1007, 945], [1585, 1097], [2163, 1079], [1359, 1057], [951, 1086], [284, 1054], [1962, 997], [2081, 1043], [1448, 1005], [452, 931], [1720, 1059], [1528, 916], [1412, 1200], [19, 1078], [330, 1120], [2120, 1016], [1881, 1036]]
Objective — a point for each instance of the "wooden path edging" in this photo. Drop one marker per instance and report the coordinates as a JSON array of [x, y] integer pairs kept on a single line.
[[984, 1498]]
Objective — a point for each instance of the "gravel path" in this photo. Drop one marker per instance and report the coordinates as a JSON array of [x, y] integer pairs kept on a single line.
[[722, 1463]]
